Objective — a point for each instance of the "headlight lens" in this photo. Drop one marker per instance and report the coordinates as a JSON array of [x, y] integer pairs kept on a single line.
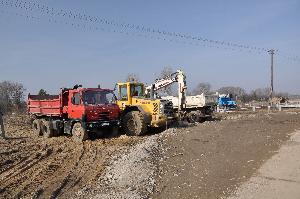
[[161, 108]]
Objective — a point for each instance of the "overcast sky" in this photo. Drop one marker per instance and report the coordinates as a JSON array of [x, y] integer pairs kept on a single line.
[[44, 51]]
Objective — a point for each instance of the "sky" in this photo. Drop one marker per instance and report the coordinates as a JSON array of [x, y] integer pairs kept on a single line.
[[44, 51]]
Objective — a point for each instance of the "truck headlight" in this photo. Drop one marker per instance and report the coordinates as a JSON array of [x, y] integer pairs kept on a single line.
[[161, 108]]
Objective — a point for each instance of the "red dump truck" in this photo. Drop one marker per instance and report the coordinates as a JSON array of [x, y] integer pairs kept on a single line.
[[77, 112]]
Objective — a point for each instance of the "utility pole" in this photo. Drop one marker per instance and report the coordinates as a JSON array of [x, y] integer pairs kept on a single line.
[[271, 52]]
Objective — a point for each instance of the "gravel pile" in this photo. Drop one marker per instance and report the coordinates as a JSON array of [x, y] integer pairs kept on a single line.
[[130, 174]]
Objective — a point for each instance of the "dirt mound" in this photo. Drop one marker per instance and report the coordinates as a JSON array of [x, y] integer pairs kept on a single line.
[[129, 174]]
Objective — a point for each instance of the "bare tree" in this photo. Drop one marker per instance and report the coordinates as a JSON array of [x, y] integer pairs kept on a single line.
[[11, 96], [165, 73], [261, 94], [235, 91], [42, 92], [132, 77], [203, 87], [282, 94]]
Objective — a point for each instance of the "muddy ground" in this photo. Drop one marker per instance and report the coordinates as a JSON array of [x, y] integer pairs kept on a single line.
[[33, 167], [206, 160]]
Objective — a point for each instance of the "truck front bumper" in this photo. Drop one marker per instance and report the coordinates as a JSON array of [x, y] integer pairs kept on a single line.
[[96, 125]]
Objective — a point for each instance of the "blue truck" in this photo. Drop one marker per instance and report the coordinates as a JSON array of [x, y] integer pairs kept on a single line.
[[226, 101]]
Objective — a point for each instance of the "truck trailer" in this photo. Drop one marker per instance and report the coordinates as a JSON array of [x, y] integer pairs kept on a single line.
[[75, 111]]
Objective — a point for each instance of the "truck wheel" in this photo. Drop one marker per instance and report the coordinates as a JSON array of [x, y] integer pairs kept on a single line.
[[37, 127], [193, 117], [134, 123], [47, 129], [79, 134]]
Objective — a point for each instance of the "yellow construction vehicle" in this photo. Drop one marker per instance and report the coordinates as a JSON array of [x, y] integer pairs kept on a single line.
[[139, 112]]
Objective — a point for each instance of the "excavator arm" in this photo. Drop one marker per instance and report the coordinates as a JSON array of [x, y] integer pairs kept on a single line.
[[179, 77]]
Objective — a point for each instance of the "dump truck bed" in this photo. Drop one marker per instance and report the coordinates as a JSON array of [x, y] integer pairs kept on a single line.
[[50, 105], [194, 101]]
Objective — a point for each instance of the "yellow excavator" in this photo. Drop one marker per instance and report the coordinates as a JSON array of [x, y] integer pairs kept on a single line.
[[140, 109]]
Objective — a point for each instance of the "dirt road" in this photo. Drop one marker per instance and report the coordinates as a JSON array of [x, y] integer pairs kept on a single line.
[[211, 160], [278, 178], [208, 160]]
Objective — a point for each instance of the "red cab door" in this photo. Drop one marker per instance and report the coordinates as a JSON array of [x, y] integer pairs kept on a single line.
[[75, 108]]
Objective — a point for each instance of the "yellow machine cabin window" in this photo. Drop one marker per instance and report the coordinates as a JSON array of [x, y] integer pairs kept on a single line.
[[123, 92], [136, 90]]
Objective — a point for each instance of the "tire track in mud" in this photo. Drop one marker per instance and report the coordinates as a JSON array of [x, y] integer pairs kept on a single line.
[[45, 170], [14, 179], [70, 175], [49, 171], [19, 176], [60, 172], [49, 174], [34, 167], [15, 157], [18, 152], [28, 163], [86, 172], [78, 174]]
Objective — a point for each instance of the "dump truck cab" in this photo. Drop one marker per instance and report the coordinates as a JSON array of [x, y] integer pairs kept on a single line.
[[94, 106], [139, 112]]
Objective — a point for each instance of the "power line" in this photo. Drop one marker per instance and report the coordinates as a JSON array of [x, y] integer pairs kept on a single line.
[[110, 30], [131, 29], [30, 6], [95, 28]]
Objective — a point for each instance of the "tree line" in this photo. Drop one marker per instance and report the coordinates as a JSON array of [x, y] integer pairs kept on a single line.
[[259, 94], [12, 94]]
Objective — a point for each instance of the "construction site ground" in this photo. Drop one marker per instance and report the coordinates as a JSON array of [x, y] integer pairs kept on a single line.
[[206, 160]]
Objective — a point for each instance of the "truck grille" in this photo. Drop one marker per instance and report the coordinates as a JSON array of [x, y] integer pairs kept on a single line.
[[104, 116]]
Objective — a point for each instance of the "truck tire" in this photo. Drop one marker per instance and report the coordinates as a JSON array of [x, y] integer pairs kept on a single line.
[[134, 123], [47, 129], [79, 134], [193, 117], [201, 115], [37, 127]]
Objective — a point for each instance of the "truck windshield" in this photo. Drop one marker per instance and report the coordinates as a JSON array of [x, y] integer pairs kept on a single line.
[[98, 97]]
